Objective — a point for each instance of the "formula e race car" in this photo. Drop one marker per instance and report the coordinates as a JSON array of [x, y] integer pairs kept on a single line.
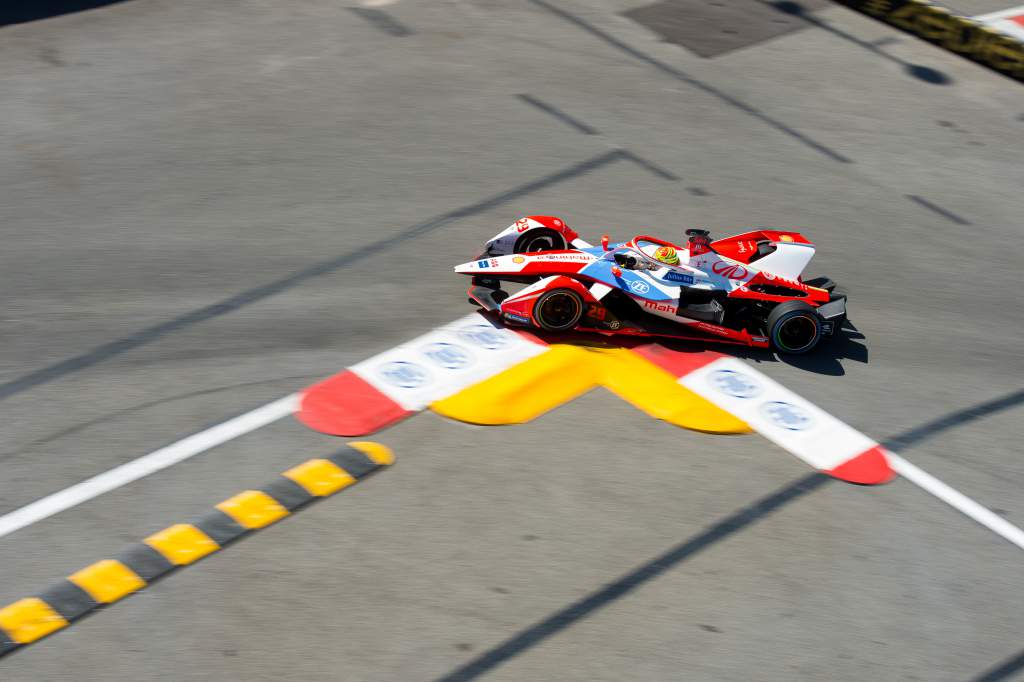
[[746, 289]]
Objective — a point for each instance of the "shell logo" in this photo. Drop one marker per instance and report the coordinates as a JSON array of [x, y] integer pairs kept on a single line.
[[785, 238], [518, 259]]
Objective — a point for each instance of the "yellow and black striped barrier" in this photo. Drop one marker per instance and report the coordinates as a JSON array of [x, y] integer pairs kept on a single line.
[[961, 35], [110, 580]]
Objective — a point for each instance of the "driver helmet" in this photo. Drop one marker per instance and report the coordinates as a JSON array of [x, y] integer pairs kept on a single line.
[[666, 254]]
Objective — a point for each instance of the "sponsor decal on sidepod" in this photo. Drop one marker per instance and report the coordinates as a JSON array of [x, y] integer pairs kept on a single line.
[[663, 307], [729, 270], [679, 277], [638, 286]]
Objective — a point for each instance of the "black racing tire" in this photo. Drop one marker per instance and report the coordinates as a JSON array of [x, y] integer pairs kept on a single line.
[[794, 327], [539, 239], [558, 310]]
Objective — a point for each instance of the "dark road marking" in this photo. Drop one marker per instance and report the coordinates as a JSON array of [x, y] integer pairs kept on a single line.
[[559, 114], [111, 580], [383, 21], [256, 294], [653, 168], [922, 433], [1003, 671], [948, 215], [569, 615], [694, 82], [925, 73]]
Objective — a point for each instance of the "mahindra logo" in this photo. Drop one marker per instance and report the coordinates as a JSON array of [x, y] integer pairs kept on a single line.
[[663, 307], [728, 270]]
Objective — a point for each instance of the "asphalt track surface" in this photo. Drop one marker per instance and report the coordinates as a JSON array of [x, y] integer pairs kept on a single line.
[[208, 206]]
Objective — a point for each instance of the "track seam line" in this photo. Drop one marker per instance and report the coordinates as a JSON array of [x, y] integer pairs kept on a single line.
[[147, 464]]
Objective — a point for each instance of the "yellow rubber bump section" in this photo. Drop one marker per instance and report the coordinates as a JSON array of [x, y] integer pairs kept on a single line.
[[27, 620], [657, 393], [320, 477], [182, 543], [527, 390], [253, 509], [380, 454], [107, 581], [361, 459], [530, 389]]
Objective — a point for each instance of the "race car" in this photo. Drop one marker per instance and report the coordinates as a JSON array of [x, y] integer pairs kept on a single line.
[[746, 289]]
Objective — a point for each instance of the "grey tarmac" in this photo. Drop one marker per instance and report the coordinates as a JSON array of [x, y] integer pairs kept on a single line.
[[207, 206]]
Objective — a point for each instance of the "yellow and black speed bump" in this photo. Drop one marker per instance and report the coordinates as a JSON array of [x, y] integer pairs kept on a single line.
[[105, 582]]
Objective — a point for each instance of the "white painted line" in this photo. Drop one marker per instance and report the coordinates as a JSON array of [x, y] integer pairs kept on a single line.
[[1001, 14], [957, 500], [147, 464]]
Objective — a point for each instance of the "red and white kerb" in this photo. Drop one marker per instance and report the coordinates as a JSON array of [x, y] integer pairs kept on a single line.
[[778, 414], [404, 380]]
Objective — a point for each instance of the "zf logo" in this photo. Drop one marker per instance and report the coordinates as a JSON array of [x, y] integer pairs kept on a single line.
[[787, 415], [639, 287], [733, 383], [404, 374], [448, 355]]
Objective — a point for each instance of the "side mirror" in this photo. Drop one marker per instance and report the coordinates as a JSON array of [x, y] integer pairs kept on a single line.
[[604, 242]]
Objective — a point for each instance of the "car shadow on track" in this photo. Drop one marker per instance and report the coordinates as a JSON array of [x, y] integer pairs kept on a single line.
[[825, 359]]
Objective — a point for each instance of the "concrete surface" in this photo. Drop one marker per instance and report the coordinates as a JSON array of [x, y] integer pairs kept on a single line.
[[163, 157]]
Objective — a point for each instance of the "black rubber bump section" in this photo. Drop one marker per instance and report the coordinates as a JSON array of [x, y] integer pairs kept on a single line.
[[354, 462], [288, 493], [69, 600], [147, 563], [220, 527], [7, 645]]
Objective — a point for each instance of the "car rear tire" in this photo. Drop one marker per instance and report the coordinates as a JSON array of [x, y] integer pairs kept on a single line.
[[794, 327], [539, 239], [558, 310]]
